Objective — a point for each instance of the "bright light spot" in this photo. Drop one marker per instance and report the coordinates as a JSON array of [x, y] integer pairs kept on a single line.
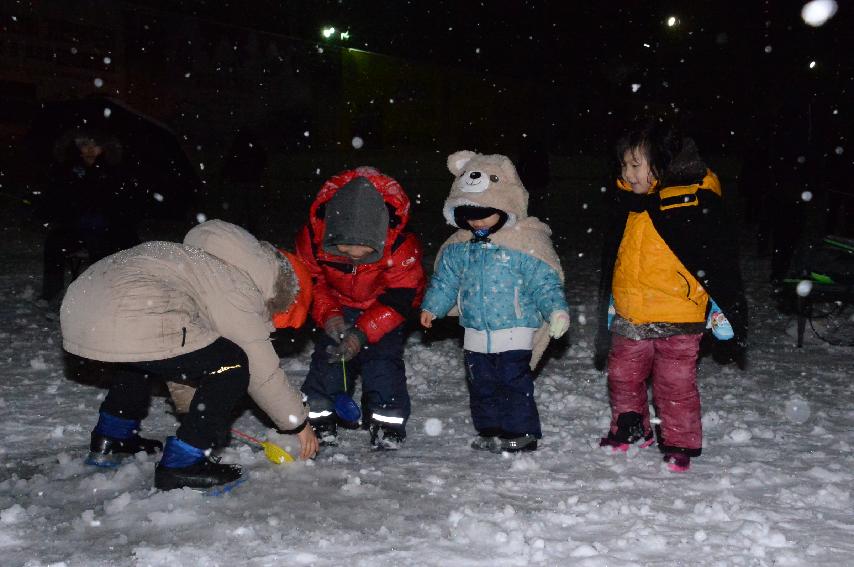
[[817, 12], [202, 166], [672, 21], [433, 427], [327, 32], [768, 49], [306, 134], [806, 196], [797, 409], [107, 60], [812, 64], [158, 197], [99, 82], [107, 112], [635, 87], [804, 288], [345, 35], [200, 217], [357, 142], [838, 151], [646, 45], [186, 75]]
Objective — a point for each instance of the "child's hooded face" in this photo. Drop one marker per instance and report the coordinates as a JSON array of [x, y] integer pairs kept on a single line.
[[636, 171]]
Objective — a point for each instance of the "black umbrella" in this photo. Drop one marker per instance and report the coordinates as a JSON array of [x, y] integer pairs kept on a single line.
[[147, 151]]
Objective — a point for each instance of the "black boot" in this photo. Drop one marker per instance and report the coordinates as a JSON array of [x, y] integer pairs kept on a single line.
[[507, 444], [629, 431], [185, 466], [326, 431], [386, 438], [207, 473], [108, 451]]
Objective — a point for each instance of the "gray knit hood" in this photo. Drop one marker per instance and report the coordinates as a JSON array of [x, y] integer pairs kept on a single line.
[[356, 215]]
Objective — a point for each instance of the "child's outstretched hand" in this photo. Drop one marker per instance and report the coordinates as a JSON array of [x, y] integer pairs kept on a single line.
[[558, 323], [427, 319]]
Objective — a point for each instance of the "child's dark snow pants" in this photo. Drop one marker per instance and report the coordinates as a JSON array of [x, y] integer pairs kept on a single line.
[[672, 362], [221, 373], [501, 393], [385, 399]]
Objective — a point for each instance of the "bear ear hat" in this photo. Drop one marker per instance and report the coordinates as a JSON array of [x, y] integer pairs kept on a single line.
[[457, 161], [508, 168]]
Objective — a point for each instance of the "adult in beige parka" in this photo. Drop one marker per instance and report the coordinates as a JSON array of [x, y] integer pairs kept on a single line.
[[198, 314]]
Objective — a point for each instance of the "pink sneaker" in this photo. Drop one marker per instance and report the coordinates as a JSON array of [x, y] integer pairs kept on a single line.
[[677, 462]]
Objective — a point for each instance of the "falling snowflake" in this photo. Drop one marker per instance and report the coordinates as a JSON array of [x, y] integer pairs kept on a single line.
[[803, 288], [817, 12], [99, 82], [357, 142]]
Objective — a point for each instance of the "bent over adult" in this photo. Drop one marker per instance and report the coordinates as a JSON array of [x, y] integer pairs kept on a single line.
[[199, 313]]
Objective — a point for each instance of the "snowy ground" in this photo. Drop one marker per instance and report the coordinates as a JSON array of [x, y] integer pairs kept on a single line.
[[773, 486]]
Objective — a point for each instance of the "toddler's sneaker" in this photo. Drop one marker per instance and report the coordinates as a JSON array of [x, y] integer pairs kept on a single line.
[[677, 462], [486, 443], [526, 442], [629, 431]]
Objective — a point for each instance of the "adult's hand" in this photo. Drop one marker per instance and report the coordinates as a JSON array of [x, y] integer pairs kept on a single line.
[[308, 443]]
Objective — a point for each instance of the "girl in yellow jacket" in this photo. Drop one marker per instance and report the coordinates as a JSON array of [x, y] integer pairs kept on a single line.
[[670, 249]]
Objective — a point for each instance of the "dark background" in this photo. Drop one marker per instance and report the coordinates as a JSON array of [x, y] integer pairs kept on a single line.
[[550, 84]]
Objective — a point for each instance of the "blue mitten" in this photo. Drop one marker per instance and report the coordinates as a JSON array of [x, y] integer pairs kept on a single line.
[[612, 312], [718, 323]]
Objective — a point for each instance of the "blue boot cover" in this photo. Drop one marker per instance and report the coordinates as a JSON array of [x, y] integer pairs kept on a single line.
[[178, 454], [116, 427]]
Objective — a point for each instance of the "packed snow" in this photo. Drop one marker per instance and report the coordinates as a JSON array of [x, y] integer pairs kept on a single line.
[[773, 486]]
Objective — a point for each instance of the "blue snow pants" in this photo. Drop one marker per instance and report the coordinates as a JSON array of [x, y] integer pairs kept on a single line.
[[385, 398], [501, 393]]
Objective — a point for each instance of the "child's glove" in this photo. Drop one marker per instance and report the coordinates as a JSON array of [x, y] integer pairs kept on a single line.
[[612, 311], [351, 343], [558, 323], [335, 327], [718, 323]]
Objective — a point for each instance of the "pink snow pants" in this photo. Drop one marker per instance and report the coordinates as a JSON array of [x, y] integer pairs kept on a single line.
[[672, 361]]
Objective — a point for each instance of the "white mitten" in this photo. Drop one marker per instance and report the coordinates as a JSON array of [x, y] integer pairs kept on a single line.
[[558, 323]]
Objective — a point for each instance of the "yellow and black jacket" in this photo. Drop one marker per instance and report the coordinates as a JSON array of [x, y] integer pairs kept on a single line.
[[668, 251]]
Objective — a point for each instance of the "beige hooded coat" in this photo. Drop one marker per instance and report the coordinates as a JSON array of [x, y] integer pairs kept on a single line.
[[159, 300]]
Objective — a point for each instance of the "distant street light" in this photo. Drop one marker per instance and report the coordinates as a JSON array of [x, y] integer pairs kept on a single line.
[[327, 32], [672, 21]]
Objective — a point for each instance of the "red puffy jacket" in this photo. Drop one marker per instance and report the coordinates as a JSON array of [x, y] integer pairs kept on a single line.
[[386, 290]]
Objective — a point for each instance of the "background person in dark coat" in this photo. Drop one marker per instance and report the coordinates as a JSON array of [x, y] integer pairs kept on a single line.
[[86, 205]]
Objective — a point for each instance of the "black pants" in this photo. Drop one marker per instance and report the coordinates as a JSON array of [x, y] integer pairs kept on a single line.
[[221, 373]]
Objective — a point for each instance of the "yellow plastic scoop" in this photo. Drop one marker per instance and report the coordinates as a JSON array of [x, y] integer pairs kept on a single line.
[[273, 452]]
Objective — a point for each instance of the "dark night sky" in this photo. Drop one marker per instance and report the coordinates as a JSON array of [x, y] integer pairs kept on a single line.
[[715, 55]]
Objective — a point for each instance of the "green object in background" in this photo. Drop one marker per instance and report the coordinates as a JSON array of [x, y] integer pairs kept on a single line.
[[821, 278]]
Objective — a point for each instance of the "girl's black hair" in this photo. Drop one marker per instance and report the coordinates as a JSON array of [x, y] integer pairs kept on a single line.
[[672, 159]]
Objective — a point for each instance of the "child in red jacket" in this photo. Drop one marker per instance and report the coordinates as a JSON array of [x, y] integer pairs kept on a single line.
[[368, 279]]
